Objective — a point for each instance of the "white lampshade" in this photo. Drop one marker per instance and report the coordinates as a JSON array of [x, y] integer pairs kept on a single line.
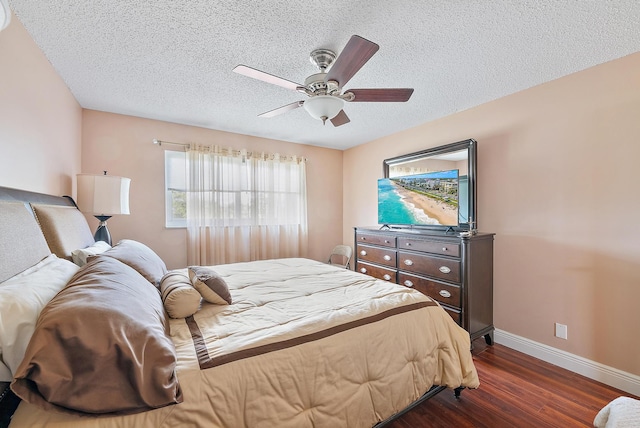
[[103, 194], [5, 14], [323, 107]]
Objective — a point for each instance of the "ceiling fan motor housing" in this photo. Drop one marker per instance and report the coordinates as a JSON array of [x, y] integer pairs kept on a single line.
[[316, 84]]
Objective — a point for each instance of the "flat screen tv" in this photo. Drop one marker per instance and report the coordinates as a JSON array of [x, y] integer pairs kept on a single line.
[[429, 199]]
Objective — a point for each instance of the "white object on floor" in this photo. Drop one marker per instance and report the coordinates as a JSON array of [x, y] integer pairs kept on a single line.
[[623, 412]]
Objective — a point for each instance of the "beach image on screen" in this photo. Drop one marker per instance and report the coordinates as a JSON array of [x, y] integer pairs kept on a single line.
[[422, 199]]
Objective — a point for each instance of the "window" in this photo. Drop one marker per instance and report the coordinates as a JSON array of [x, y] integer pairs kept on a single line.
[[243, 206], [175, 178]]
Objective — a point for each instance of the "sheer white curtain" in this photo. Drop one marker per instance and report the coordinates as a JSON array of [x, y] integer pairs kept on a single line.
[[244, 206]]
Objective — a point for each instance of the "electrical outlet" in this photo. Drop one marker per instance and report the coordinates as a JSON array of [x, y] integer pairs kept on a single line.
[[561, 331]]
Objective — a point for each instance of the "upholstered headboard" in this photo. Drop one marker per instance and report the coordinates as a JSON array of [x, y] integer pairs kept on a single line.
[[59, 228], [26, 197]]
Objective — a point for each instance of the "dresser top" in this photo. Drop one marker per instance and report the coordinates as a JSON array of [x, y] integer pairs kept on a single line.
[[423, 233]]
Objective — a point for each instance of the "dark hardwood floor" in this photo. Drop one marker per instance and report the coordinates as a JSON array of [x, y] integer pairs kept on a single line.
[[516, 390]]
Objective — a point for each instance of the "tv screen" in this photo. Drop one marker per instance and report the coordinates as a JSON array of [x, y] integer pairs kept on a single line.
[[429, 199]]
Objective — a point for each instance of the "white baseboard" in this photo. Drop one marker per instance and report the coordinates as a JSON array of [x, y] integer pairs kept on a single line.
[[608, 375]]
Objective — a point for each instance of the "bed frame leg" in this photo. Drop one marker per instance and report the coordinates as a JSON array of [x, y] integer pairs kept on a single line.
[[457, 391]]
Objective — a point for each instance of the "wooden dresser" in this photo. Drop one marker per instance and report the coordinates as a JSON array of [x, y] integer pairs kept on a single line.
[[456, 271]]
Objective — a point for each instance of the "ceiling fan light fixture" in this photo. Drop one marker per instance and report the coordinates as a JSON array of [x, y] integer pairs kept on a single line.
[[323, 107]]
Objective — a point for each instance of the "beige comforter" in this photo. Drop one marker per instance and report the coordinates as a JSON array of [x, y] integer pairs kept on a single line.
[[304, 344]]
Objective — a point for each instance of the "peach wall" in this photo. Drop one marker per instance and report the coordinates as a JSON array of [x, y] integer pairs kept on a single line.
[[558, 184], [40, 120], [122, 146]]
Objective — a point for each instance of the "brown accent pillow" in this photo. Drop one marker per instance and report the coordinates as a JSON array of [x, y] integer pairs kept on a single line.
[[140, 257], [179, 297], [210, 285], [101, 346], [65, 228]]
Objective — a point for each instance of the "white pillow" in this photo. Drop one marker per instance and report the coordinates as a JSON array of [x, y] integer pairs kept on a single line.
[[22, 298], [179, 297], [80, 256]]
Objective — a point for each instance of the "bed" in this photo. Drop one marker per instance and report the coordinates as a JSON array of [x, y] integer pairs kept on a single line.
[[302, 343]]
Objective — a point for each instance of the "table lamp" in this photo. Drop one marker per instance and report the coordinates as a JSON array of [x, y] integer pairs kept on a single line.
[[103, 196]]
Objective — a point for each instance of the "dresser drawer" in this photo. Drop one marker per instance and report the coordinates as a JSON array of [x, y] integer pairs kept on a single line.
[[375, 239], [379, 255], [438, 267], [455, 314], [377, 271], [435, 247], [443, 293]]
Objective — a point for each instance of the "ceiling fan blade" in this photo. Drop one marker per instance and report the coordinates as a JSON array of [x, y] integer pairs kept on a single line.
[[354, 55], [340, 119], [282, 109], [381, 95], [265, 77]]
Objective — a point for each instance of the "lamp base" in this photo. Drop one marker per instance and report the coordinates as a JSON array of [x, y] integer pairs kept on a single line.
[[102, 234]]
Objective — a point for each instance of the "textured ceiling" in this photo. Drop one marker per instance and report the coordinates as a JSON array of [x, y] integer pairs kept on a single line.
[[172, 60]]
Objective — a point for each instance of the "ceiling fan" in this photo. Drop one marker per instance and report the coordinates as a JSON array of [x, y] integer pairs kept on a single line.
[[325, 88]]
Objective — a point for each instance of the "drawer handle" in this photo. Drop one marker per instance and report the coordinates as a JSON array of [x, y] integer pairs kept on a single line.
[[387, 257], [408, 244], [408, 262], [363, 270], [444, 269], [408, 283], [363, 253], [362, 238], [386, 241], [444, 249], [386, 276], [444, 293]]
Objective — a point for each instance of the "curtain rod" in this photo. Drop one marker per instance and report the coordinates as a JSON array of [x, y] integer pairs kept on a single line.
[[160, 143], [229, 150]]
